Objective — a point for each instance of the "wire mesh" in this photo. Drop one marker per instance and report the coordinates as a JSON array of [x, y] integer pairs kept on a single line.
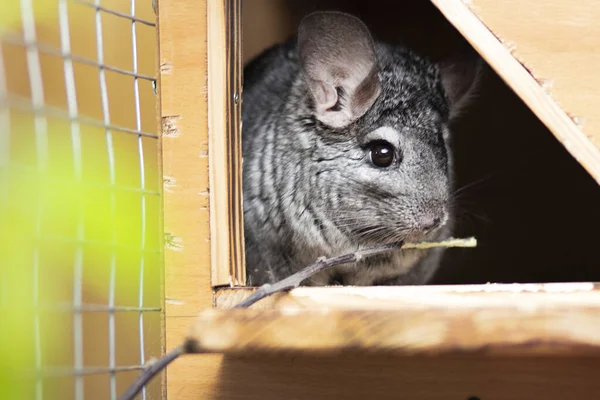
[[80, 255]]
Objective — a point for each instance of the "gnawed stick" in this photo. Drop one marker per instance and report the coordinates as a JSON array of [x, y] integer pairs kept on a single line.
[[323, 264], [452, 242], [293, 281]]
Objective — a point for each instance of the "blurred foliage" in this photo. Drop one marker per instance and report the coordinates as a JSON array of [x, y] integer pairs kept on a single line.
[[60, 215], [10, 12], [51, 222]]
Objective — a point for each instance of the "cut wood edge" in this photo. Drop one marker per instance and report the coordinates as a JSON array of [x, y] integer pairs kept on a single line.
[[533, 319], [217, 144], [412, 331], [522, 83], [385, 297]]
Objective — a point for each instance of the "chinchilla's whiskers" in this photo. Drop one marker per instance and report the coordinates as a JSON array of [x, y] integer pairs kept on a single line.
[[359, 218], [471, 216], [457, 193], [403, 233], [462, 210], [349, 222], [453, 203], [361, 230], [394, 237], [386, 235], [371, 233]]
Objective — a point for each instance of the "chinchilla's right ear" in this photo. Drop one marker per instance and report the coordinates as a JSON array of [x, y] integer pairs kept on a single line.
[[340, 66]]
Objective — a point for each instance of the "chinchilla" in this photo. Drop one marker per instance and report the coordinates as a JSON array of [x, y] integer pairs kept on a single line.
[[346, 146]]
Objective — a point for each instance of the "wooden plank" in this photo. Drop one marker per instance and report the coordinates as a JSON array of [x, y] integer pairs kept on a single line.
[[559, 43], [390, 377], [225, 154], [562, 46], [184, 126], [183, 79], [384, 297], [191, 377], [386, 376], [505, 319]]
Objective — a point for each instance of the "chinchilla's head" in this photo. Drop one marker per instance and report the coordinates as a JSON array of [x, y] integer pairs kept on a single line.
[[382, 167]]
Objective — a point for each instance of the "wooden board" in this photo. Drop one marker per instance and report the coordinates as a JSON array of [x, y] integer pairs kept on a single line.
[[539, 369], [225, 148], [506, 319], [183, 80], [390, 377], [184, 121], [559, 42], [385, 297]]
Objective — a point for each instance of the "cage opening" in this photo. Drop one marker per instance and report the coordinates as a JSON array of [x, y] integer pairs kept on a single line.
[[529, 203]]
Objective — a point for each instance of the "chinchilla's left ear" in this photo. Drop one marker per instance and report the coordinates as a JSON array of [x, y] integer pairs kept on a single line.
[[461, 78]]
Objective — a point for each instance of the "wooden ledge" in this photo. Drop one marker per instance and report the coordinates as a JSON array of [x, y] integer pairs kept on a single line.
[[550, 319]]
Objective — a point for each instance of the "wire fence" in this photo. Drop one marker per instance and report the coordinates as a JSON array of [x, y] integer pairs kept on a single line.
[[80, 234]]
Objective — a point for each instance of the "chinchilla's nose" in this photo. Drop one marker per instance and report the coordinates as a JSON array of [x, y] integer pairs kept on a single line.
[[429, 215], [431, 219], [429, 222]]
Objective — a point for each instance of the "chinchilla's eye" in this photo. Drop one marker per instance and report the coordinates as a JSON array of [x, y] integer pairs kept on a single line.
[[381, 153]]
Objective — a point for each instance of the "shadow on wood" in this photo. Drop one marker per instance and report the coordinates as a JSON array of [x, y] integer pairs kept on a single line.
[[415, 378]]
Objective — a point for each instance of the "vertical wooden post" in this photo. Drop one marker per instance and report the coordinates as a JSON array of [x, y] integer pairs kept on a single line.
[[203, 227], [183, 106], [225, 154]]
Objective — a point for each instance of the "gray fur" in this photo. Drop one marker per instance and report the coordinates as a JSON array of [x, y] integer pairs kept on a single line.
[[309, 188]]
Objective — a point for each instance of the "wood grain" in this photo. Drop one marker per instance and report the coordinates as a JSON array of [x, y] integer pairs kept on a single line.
[[559, 43], [184, 117], [564, 36], [225, 154], [391, 377], [183, 76], [489, 295], [506, 319]]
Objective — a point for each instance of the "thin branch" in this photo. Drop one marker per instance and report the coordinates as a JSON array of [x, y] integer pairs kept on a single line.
[[323, 264], [293, 281], [467, 242], [151, 371]]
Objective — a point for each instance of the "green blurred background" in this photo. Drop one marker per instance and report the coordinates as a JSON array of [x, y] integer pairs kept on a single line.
[[79, 205]]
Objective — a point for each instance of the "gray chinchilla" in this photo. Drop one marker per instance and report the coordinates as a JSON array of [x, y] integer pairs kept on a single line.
[[345, 146]]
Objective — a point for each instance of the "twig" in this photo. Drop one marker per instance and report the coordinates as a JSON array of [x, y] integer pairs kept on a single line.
[[293, 281], [468, 242], [151, 371], [323, 264]]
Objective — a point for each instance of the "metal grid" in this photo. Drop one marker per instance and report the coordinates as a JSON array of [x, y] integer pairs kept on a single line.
[[34, 104]]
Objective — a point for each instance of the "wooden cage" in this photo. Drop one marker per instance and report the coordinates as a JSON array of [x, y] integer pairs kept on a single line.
[[497, 341]]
